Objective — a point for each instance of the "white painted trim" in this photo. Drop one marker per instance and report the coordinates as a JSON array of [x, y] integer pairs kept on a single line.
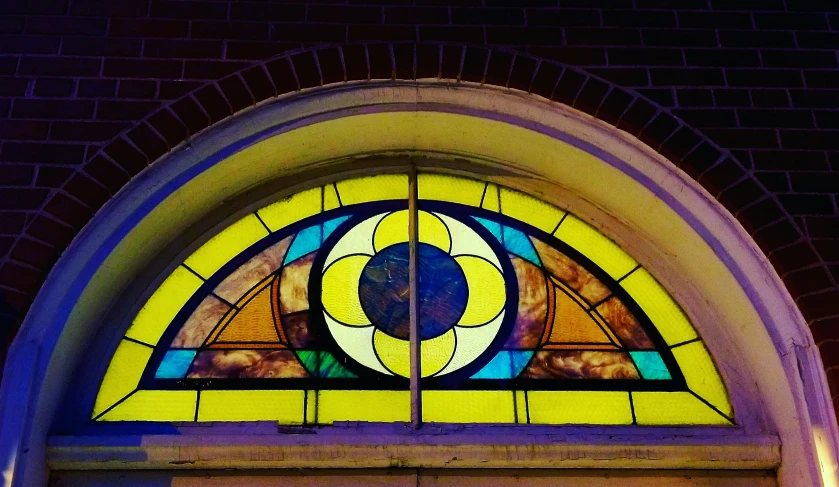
[[656, 212]]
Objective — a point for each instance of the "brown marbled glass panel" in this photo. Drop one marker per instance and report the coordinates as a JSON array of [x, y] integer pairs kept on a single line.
[[249, 274], [231, 364], [296, 327], [571, 273], [294, 285], [533, 308], [200, 323], [579, 364], [625, 325]]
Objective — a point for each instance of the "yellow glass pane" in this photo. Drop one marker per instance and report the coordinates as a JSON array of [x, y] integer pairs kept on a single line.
[[666, 408], [373, 406], [123, 374], [436, 353], [701, 375], [579, 407], [487, 290], [155, 406], [596, 246], [373, 188], [530, 210], [394, 353], [311, 403], [330, 198], [521, 407], [163, 305], [433, 231], [393, 229], [292, 209], [340, 290], [468, 407], [665, 314], [492, 200], [228, 244], [440, 187], [285, 407]]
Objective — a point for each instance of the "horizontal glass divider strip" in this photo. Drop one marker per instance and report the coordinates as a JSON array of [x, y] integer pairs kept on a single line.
[[340, 447]]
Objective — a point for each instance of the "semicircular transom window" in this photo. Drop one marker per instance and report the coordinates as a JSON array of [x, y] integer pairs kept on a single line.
[[302, 313]]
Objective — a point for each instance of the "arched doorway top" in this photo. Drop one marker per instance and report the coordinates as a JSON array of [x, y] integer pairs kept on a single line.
[[440, 111]]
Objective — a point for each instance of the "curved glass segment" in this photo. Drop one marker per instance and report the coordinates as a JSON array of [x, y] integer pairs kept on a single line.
[[300, 313]]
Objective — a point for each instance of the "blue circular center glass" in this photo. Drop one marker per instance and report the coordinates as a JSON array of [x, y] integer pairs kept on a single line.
[[384, 291]]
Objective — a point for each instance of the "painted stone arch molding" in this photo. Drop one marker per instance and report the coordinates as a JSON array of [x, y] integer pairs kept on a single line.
[[565, 273]]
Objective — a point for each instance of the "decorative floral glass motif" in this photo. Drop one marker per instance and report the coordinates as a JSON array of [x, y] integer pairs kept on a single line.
[[300, 313]]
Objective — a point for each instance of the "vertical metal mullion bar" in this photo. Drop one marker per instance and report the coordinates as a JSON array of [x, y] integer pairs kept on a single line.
[[413, 263]]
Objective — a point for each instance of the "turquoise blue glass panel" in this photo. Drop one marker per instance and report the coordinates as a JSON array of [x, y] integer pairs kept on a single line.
[[506, 365], [310, 239], [518, 243], [513, 240], [175, 364], [651, 365]]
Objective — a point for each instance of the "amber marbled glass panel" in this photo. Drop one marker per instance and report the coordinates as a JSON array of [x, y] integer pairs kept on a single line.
[[625, 325], [580, 364], [253, 323], [231, 364], [201, 323], [574, 325], [534, 303], [243, 279], [571, 273]]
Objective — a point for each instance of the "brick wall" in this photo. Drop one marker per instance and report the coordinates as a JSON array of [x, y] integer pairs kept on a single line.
[[758, 79]]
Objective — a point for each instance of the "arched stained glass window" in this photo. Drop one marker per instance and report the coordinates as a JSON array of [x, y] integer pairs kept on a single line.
[[304, 312]]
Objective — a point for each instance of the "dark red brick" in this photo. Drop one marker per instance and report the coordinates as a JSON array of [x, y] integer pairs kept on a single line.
[[22, 198], [228, 30], [24, 129], [59, 66], [154, 28], [236, 92], [66, 25], [182, 9], [450, 62], [86, 131], [267, 11], [257, 49], [107, 8], [124, 109], [474, 64], [16, 175], [126, 156], [344, 14], [143, 68], [29, 45], [148, 141], [87, 190], [498, 69], [106, 173], [306, 70], [282, 75], [53, 176], [403, 58], [204, 70], [213, 103], [355, 62], [417, 15], [259, 84], [22, 278], [42, 153], [381, 63], [190, 113]]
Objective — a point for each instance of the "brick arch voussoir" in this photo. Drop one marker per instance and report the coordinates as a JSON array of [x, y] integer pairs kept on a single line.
[[72, 205]]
